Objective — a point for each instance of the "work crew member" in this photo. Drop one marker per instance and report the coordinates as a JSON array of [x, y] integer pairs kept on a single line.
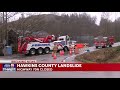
[[86, 48], [76, 50], [55, 49], [71, 49]]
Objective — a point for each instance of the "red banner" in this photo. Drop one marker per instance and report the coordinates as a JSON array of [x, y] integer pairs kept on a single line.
[[49, 67], [0, 67], [67, 67], [101, 67]]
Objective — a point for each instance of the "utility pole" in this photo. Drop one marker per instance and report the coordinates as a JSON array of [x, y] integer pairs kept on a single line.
[[3, 27], [1, 33], [115, 24], [22, 15], [6, 33], [3, 30]]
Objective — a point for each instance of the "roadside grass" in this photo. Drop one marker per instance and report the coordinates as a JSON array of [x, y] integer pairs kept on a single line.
[[106, 55]]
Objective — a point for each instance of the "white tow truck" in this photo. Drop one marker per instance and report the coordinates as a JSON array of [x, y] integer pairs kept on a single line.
[[34, 46]]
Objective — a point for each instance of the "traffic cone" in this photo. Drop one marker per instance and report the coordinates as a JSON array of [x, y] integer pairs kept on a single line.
[[73, 50], [60, 52], [52, 54], [55, 57], [76, 50], [70, 52], [63, 52]]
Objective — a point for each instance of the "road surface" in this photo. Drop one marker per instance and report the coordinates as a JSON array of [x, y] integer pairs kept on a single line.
[[79, 74], [47, 58]]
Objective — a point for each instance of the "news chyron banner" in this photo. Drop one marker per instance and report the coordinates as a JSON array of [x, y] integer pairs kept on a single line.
[[41, 67], [49, 67], [0, 67], [21, 67], [67, 67]]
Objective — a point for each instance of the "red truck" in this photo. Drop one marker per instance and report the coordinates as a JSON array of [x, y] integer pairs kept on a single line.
[[25, 43], [38, 45], [104, 42]]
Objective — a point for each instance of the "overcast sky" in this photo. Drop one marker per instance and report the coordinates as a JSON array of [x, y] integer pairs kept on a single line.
[[112, 17]]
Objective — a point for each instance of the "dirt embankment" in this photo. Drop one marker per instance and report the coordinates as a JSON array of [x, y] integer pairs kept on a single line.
[[107, 55]]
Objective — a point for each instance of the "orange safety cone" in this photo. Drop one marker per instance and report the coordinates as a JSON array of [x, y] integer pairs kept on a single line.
[[63, 52], [76, 50], [60, 52], [70, 52], [52, 54], [55, 57]]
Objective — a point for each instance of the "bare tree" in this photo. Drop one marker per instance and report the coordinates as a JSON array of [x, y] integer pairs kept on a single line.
[[6, 16], [0, 17], [105, 17]]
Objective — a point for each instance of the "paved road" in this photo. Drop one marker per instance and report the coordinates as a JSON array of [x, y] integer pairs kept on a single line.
[[80, 74], [47, 58]]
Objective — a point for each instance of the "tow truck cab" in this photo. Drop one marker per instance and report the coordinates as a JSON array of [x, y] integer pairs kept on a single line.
[[66, 42]]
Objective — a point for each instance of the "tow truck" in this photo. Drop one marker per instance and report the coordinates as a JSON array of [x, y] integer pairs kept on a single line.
[[40, 45]]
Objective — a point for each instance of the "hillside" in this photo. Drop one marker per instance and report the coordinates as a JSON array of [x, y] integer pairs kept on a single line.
[[81, 27], [107, 55], [53, 24]]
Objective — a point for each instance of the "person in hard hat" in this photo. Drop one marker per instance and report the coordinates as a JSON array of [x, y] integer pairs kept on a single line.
[[70, 49], [55, 49], [86, 47], [76, 50]]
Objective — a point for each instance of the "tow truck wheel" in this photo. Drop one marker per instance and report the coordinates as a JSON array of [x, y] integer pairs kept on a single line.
[[110, 45], [40, 51], [32, 51], [96, 47], [47, 50]]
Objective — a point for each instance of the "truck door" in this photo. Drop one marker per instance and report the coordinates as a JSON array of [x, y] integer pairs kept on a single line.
[[63, 41]]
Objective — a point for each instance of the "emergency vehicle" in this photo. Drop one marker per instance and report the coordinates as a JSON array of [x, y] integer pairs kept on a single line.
[[38, 45], [104, 42]]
